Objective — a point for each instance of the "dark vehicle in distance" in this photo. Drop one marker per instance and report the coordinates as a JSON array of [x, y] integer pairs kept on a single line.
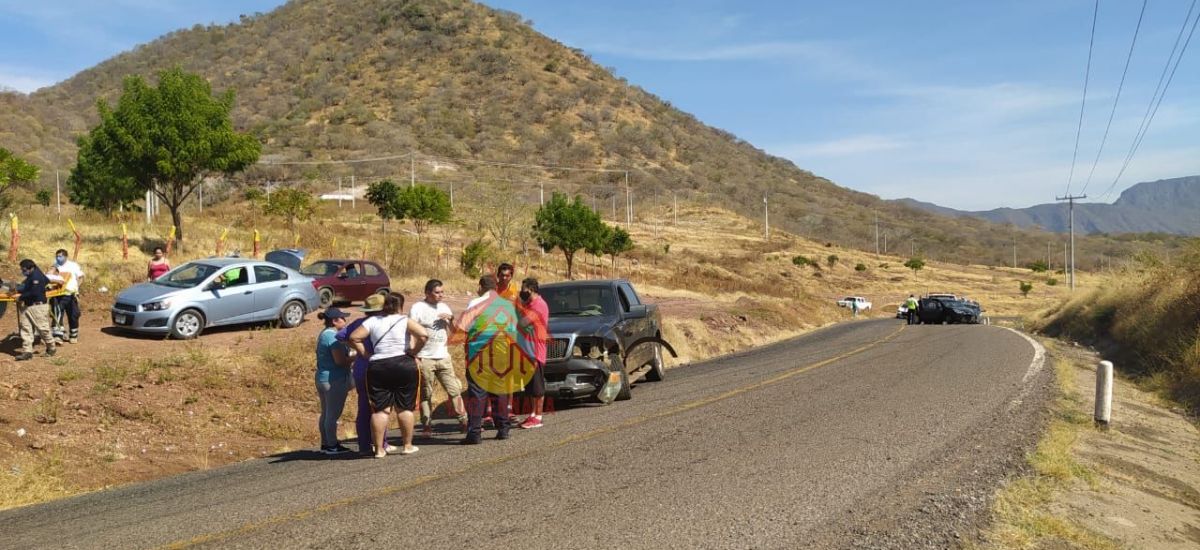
[[347, 280], [947, 310], [603, 338]]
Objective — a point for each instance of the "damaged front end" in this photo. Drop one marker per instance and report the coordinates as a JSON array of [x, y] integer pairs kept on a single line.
[[577, 366]]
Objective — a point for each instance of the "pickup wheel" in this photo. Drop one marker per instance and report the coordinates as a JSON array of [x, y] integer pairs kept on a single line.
[[616, 365], [625, 394], [656, 373]]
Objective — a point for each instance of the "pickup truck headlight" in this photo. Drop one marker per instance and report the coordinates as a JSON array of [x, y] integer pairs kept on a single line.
[[157, 306]]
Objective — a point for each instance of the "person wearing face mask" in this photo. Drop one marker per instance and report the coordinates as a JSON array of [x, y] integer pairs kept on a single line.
[[69, 275], [34, 312], [534, 325]]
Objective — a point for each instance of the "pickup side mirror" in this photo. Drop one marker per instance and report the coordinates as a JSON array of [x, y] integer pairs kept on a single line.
[[636, 312]]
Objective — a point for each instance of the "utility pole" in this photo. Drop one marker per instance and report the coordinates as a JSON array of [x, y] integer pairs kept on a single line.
[[766, 219], [541, 194], [885, 242], [57, 194], [675, 207], [353, 190], [1071, 221], [877, 233], [628, 200], [1014, 249], [1048, 260], [339, 191], [412, 169]]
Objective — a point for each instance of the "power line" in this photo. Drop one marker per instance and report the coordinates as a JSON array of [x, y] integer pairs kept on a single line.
[[1087, 75], [318, 162], [1117, 99], [1148, 118]]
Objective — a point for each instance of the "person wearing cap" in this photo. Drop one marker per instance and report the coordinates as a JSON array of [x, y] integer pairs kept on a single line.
[[333, 378], [34, 312], [372, 307]]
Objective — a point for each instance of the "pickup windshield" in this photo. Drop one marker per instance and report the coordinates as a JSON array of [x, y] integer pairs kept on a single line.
[[580, 301]]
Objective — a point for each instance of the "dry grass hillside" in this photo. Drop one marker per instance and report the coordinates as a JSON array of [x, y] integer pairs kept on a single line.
[[452, 79], [1146, 318], [119, 408]]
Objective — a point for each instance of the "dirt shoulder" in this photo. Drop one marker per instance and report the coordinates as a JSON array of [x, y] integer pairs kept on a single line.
[[1133, 485]]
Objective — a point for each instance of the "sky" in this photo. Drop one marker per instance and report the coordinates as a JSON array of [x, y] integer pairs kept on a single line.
[[972, 105]]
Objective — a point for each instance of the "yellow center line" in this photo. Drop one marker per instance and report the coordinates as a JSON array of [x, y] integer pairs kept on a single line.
[[577, 438]]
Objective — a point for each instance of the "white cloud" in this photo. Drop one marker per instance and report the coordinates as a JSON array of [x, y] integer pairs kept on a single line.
[[854, 145]]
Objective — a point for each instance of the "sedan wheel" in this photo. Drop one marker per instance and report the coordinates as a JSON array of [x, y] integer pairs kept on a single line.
[[187, 325], [326, 297], [292, 314]]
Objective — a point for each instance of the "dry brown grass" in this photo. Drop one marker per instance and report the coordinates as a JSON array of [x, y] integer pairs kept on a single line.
[[1146, 318]]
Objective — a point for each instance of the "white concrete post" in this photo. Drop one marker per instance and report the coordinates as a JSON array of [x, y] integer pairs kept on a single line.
[[1104, 385]]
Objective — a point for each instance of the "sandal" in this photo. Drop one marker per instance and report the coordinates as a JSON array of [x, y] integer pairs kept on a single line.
[[410, 450]]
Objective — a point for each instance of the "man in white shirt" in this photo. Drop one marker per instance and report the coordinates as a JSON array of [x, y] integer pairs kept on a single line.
[[68, 274], [434, 359]]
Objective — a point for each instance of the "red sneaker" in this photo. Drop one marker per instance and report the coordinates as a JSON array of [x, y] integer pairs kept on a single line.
[[531, 422]]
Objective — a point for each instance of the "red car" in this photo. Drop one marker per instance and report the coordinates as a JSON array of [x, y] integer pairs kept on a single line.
[[346, 280]]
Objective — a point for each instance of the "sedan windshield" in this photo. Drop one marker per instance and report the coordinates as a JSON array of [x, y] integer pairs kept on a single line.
[[580, 301], [186, 276], [322, 269]]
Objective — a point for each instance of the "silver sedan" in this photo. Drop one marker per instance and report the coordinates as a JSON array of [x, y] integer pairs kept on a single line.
[[215, 292]]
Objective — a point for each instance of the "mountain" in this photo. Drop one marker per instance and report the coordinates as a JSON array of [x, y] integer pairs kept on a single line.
[[477, 95], [1163, 206]]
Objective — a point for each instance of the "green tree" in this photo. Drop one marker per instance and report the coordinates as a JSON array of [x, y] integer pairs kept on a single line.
[[95, 184], [617, 242], [294, 205], [915, 264], [1025, 288], [568, 226], [43, 197], [383, 196], [423, 205], [168, 138], [14, 170]]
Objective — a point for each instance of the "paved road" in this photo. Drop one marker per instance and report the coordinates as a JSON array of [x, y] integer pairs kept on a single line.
[[868, 434]]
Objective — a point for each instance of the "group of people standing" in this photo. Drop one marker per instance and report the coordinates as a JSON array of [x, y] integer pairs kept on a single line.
[[393, 361], [34, 319]]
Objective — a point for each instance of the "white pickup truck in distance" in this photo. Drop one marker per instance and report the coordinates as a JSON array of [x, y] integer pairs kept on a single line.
[[849, 301]]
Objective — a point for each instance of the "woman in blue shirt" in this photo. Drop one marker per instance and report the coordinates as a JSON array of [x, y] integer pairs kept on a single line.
[[332, 378]]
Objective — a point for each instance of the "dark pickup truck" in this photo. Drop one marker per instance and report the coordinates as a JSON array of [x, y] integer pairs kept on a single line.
[[603, 338]]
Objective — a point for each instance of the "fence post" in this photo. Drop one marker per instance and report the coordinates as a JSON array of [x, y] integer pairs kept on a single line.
[[1104, 384]]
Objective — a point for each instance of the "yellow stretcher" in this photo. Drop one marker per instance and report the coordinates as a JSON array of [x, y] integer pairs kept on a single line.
[[53, 291]]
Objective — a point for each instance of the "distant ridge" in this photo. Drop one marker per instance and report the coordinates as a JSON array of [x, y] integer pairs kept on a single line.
[[1163, 206]]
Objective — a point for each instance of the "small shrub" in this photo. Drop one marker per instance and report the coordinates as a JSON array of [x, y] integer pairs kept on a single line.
[[43, 197], [802, 261], [473, 257], [861, 267], [1051, 281], [1038, 266], [915, 264], [1025, 288], [254, 194], [832, 260]]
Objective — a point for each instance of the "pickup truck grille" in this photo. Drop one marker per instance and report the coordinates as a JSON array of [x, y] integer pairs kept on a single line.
[[558, 348]]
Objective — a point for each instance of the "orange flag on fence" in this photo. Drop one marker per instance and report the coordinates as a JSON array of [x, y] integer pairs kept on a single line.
[[124, 243], [170, 240], [255, 243], [15, 240], [78, 238]]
